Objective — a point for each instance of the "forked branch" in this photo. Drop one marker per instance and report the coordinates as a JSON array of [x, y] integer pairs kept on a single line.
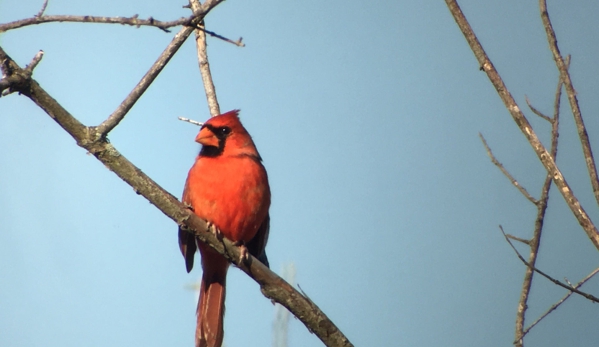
[[509, 102]]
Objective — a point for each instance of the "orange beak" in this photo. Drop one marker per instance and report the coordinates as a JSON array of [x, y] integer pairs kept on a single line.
[[207, 138]]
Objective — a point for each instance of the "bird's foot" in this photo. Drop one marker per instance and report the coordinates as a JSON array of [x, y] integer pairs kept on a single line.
[[244, 254], [188, 206], [214, 230]]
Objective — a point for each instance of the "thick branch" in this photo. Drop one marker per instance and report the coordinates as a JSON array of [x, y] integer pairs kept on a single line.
[[271, 285], [523, 124], [565, 76]]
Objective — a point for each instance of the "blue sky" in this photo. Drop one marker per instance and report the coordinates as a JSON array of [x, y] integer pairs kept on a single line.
[[367, 117]]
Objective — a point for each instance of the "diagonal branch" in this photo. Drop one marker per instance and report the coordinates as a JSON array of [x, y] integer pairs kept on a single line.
[[559, 283], [565, 75], [535, 111], [507, 173], [561, 301], [117, 116], [509, 102], [271, 285], [43, 9]]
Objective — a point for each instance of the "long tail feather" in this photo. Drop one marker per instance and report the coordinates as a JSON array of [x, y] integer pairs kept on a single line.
[[211, 306]]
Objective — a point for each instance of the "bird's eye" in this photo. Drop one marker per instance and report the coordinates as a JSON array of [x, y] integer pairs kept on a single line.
[[224, 130]]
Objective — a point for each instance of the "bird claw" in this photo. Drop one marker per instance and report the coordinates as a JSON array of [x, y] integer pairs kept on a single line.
[[214, 230], [244, 254], [188, 206]]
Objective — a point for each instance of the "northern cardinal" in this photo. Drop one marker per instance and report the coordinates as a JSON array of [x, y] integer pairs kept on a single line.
[[228, 187]]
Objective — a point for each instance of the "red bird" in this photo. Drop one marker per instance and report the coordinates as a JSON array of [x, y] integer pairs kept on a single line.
[[228, 187]]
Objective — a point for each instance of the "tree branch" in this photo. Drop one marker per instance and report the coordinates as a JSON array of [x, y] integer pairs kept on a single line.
[[559, 283], [509, 102], [561, 301], [565, 76], [271, 285], [535, 111], [114, 119], [117, 116], [201, 46], [43, 9], [535, 241], [507, 173], [132, 21], [13, 76]]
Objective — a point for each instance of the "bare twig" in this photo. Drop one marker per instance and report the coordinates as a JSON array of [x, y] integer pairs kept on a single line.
[[519, 239], [542, 153], [559, 283], [238, 43], [36, 60], [194, 122], [271, 285], [571, 92], [506, 173], [535, 241], [41, 11], [118, 115], [561, 301], [209, 88], [535, 111], [133, 21]]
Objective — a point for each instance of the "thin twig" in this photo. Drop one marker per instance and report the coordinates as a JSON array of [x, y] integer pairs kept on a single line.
[[36, 60], [41, 11], [535, 111], [238, 43], [15, 79], [509, 102], [118, 115], [519, 239], [561, 301], [114, 119], [204, 64], [571, 92], [535, 241], [506, 173], [194, 122], [559, 283], [132, 21]]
